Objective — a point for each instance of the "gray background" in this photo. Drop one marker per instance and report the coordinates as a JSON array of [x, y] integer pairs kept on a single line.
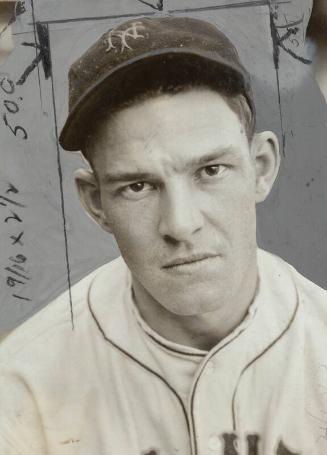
[[291, 223]]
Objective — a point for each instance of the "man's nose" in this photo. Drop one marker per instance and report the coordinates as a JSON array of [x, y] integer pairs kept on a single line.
[[180, 214]]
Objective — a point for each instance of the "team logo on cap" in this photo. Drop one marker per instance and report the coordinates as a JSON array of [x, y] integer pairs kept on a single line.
[[132, 32]]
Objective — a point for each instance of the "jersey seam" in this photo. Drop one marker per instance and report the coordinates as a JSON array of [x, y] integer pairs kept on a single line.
[[139, 363], [275, 341]]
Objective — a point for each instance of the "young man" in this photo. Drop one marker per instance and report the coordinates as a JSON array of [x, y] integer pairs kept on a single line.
[[194, 342]]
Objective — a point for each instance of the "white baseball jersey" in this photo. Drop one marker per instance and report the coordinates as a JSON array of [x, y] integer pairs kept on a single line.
[[100, 390]]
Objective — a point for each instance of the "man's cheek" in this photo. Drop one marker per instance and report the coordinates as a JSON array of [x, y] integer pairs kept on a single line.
[[134, 242]]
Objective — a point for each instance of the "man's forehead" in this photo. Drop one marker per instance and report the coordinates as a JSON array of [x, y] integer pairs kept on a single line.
[[188, 112], [164, 134]]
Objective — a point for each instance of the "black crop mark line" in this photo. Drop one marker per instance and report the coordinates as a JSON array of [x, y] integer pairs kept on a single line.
[[278, 43], [293, 24], [148, 13], [35, 41], [22, 33], [226, 6], [96, 18], [64, 29], [292, 29], [42, 54], [62, 199], [279, 40], [276, 52], [43, 36], [288, 34], [293, 54], [158, 5]]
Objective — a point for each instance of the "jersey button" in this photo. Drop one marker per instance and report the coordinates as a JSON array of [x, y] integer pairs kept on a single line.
[[214, 442]]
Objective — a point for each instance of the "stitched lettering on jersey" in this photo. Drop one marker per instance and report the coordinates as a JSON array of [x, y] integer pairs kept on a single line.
[[229, 446], [151, 452]]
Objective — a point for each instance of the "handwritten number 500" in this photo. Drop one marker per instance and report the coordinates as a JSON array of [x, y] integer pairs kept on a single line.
[[12, 107], [15, 129], [7, 85]]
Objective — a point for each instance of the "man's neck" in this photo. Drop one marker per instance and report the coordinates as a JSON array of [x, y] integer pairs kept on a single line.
[[202, 331]]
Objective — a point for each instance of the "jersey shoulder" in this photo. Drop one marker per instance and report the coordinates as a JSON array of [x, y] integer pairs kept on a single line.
[[312, 298], [58, 319]]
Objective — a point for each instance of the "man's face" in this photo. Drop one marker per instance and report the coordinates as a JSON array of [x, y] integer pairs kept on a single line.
[[177, 190]]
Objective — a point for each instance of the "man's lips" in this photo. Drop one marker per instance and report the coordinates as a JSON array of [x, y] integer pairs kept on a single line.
[[194, 258]]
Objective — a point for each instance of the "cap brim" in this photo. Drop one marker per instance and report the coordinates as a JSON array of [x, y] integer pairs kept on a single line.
[[167, 68]]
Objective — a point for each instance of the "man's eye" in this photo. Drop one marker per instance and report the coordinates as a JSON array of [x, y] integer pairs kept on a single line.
[[212, 171], [136, 190], [137, 187]]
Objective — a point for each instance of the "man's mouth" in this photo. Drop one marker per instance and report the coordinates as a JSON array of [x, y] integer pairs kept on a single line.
[[188, 260]]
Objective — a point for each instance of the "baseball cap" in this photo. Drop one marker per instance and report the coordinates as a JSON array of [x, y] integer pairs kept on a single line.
[[144, 54]]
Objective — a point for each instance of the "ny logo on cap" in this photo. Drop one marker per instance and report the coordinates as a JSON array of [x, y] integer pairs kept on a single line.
[[130, 32]]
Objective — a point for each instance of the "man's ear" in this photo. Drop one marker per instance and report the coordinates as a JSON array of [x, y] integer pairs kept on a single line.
[[266, 157], [89, 195]]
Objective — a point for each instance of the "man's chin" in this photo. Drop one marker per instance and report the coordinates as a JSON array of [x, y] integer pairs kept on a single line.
[[193, 304], [186, 294]]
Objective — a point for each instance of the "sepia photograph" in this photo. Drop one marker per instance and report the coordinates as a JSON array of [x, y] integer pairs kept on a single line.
[[163, 232]]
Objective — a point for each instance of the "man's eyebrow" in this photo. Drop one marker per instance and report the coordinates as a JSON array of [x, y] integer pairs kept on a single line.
[[216, 154], [114, 177]]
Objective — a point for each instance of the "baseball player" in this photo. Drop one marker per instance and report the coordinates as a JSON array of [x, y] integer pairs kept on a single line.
[[194, 341]]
